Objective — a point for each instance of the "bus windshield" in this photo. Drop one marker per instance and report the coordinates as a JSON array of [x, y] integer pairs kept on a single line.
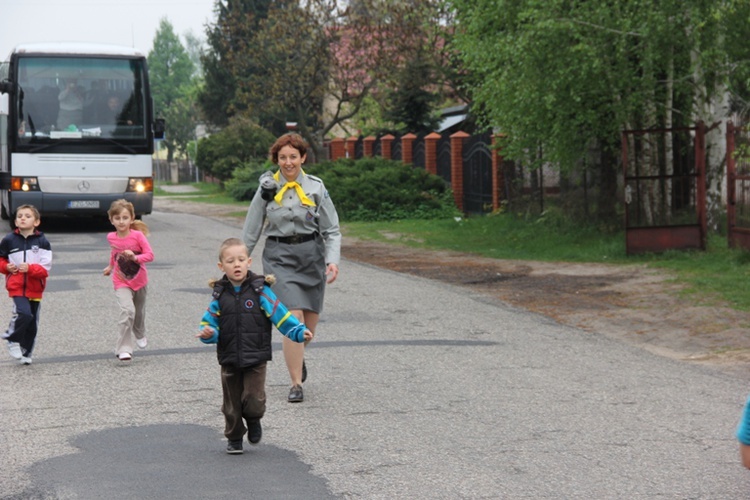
[[80, 99]]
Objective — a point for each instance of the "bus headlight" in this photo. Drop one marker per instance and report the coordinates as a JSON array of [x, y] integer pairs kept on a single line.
[[24, 184], [140, 184]]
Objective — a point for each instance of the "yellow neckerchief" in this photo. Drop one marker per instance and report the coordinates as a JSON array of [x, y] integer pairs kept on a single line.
[[289, 185]]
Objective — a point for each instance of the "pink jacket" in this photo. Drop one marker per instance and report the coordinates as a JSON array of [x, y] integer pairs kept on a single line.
[[137, 243]]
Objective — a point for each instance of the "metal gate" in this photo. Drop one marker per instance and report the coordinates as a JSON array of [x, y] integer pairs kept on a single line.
[[665, 189], [477, 173], [738, 186], [443, 159]]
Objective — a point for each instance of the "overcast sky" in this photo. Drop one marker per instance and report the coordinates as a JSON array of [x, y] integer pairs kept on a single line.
[[123, 22]]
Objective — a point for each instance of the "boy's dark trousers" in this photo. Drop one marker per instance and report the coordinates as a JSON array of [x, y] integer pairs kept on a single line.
[[24, 324], [244, 397]]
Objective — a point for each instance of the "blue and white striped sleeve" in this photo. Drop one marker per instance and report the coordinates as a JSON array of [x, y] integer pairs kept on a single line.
[[286, 322], [211, 318]]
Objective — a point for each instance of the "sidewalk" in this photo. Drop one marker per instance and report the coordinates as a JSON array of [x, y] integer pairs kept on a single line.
[[179, 188]]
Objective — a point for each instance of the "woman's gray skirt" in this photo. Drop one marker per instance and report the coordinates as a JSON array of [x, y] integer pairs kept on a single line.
[[300, 272]]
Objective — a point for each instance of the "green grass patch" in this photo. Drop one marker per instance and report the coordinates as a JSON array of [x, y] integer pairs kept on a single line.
[[498, 237], [720, 272]]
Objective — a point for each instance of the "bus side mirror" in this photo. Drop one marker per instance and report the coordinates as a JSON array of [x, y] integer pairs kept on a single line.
[[6, 87], [159, 128]]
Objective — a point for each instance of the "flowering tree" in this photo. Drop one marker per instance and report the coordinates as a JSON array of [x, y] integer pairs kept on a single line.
[[313, 62]]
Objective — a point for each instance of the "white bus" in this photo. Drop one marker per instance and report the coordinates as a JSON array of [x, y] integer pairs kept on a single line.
[[77, 129]]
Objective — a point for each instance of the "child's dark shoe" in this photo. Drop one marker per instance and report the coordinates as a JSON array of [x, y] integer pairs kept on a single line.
[[234, 447], [254, 432]]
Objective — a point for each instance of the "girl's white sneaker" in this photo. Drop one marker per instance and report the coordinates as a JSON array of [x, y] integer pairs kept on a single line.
[[14, 349]]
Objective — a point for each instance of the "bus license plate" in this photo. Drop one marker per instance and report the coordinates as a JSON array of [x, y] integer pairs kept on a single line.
[[83, 204]]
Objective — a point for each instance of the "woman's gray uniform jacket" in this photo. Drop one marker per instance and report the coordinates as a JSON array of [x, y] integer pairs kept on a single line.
[[299, 268]]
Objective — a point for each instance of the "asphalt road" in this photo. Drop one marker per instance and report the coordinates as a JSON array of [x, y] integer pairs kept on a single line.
[[416, 390]]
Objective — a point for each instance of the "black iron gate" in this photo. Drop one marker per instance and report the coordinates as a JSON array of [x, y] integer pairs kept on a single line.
[[477, 180], [443, 158]]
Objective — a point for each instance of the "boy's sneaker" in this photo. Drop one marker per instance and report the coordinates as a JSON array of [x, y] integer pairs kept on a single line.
[[124, 356], [254, 432], [14, 348], [234, 447], [25, 360], [141, 343]]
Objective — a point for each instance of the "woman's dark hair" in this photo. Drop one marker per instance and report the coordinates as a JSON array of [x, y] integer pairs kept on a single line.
[[291, 139]]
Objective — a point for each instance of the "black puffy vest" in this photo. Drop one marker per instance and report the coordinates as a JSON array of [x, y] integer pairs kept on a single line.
[[244, 329]]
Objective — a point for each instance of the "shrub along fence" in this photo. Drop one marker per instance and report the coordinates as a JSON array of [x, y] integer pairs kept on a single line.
[[469, 164], [472, 165]]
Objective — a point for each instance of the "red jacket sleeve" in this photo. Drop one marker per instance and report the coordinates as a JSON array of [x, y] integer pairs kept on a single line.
[[37, 271]]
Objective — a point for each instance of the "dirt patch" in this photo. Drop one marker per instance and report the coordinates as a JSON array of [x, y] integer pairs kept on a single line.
[[634, 304]]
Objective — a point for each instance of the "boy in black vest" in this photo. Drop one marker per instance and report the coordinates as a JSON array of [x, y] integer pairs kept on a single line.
[[239, 320]]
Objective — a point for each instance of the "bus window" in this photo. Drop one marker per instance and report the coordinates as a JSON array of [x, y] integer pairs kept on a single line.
[[72, 98]]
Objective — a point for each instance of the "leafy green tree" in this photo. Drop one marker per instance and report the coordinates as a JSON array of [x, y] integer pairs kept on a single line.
[[370, 118], [411, 105], [295, 61], [566, 77], [194, 48], [239, 143], [171, 73], [228, 40]]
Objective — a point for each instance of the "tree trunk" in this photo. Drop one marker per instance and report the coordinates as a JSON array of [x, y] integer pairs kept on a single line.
[[712, 106]]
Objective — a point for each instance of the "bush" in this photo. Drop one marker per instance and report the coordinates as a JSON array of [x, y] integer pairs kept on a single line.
[[373, 189], [241, 142], [244, 182]]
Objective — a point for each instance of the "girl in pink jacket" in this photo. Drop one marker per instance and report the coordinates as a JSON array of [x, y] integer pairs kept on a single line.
[[130, 251]]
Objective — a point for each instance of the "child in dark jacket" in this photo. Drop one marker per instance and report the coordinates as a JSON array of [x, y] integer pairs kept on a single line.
[[25, 260], [239, 320]]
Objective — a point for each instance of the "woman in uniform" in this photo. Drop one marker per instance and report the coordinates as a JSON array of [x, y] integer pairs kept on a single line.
[[303, 242]]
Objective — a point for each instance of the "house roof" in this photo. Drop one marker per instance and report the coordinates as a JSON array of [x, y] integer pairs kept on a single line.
[[450, 121]]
